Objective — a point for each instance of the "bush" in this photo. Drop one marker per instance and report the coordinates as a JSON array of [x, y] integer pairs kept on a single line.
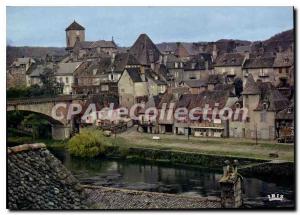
[[89, 143]]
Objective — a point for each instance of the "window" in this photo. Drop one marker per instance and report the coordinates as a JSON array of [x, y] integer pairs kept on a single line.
[[104, 87], [67, 80], [280, 70], [265, 106], [61, 80], [94, 71]]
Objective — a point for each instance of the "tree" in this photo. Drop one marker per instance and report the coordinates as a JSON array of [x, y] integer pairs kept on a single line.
[[35, 122], [238, 85]]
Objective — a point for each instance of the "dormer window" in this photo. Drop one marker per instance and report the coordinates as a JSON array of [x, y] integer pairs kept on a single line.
[[265, 106], [286, 60], [237, 105], [289, 110], [94, 71]]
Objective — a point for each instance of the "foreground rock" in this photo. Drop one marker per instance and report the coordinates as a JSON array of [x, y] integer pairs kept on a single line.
[[112, 198], [37, 180]]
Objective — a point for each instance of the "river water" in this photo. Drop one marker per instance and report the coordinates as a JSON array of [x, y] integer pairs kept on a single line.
[[165, 178]]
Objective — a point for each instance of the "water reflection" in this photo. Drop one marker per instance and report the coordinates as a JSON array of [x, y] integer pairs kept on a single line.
[[165, 178]]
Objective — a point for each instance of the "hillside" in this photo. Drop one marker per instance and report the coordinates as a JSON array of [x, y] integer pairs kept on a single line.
[[13, 52]]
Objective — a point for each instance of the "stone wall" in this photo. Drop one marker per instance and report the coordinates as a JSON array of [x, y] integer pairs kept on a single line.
[[178, 157], [37, 180]]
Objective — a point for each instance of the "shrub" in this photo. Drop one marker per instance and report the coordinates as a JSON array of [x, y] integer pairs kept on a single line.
[[89, 143]]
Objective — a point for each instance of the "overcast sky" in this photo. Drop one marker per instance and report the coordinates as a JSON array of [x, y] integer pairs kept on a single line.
[[45, 26]]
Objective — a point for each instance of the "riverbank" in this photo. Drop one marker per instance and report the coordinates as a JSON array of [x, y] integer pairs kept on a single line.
[[240, 148]]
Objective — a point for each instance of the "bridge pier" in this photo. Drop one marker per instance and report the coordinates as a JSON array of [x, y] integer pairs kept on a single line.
[[61, 132]]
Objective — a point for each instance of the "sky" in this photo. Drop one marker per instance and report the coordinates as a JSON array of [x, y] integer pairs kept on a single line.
[[45, 26]]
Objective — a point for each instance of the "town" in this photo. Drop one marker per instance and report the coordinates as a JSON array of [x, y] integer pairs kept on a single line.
[[227, 74], [152, 125]]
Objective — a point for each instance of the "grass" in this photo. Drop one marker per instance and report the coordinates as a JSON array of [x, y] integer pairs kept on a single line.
[[243, 148]]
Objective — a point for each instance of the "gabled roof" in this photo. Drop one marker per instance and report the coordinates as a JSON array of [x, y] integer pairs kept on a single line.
[[215, 79], [83, 44], [284, 59], [23, 60], [259, 62], [144, 50], [75, 26], [230, 59], [38, 70], [122, 60], [67, 68], [272, 97], [199, 62], [104, 44], [134, 74], [196, 83], [251, 87]]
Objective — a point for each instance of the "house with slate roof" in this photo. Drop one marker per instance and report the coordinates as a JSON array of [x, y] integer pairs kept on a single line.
[[261, 68], [132, 87], [263, 102], [229, 65]]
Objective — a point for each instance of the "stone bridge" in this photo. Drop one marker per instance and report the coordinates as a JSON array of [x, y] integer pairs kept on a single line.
[[62, 128]]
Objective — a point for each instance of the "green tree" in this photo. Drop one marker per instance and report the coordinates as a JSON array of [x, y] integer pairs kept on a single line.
[[35, 122], [89, 143]]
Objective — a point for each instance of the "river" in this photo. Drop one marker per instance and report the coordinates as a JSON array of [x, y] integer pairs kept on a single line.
[[157, 177]]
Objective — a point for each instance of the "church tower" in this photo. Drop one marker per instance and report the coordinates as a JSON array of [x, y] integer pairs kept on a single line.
[[75, 32]]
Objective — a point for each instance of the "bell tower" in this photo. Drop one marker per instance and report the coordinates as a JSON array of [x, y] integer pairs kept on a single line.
[[75, 32]]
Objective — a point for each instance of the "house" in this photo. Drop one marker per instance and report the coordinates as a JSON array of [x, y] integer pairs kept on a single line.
[[132, 87], [108, 47], [283, 68], [213, 80], [155, 85], [175, 68], [196, 86], [102, 75], [181, 52], [229, 65], [285, 124], [64, 73], [263, 102], [261, 68], [18, 72], [37, 71], [198, 67], [211, 126]]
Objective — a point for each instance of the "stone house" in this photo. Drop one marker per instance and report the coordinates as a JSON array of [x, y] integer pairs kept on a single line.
[[261, 68], [195, 86], [175, 68], [285, 123], [263, 101], [37, 71], [102, 75], [198, 67], [212, 126], [155, 85], [229, 65], [132, 85], [64, 74], [18, 73], [103, 46], [283, 68]]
